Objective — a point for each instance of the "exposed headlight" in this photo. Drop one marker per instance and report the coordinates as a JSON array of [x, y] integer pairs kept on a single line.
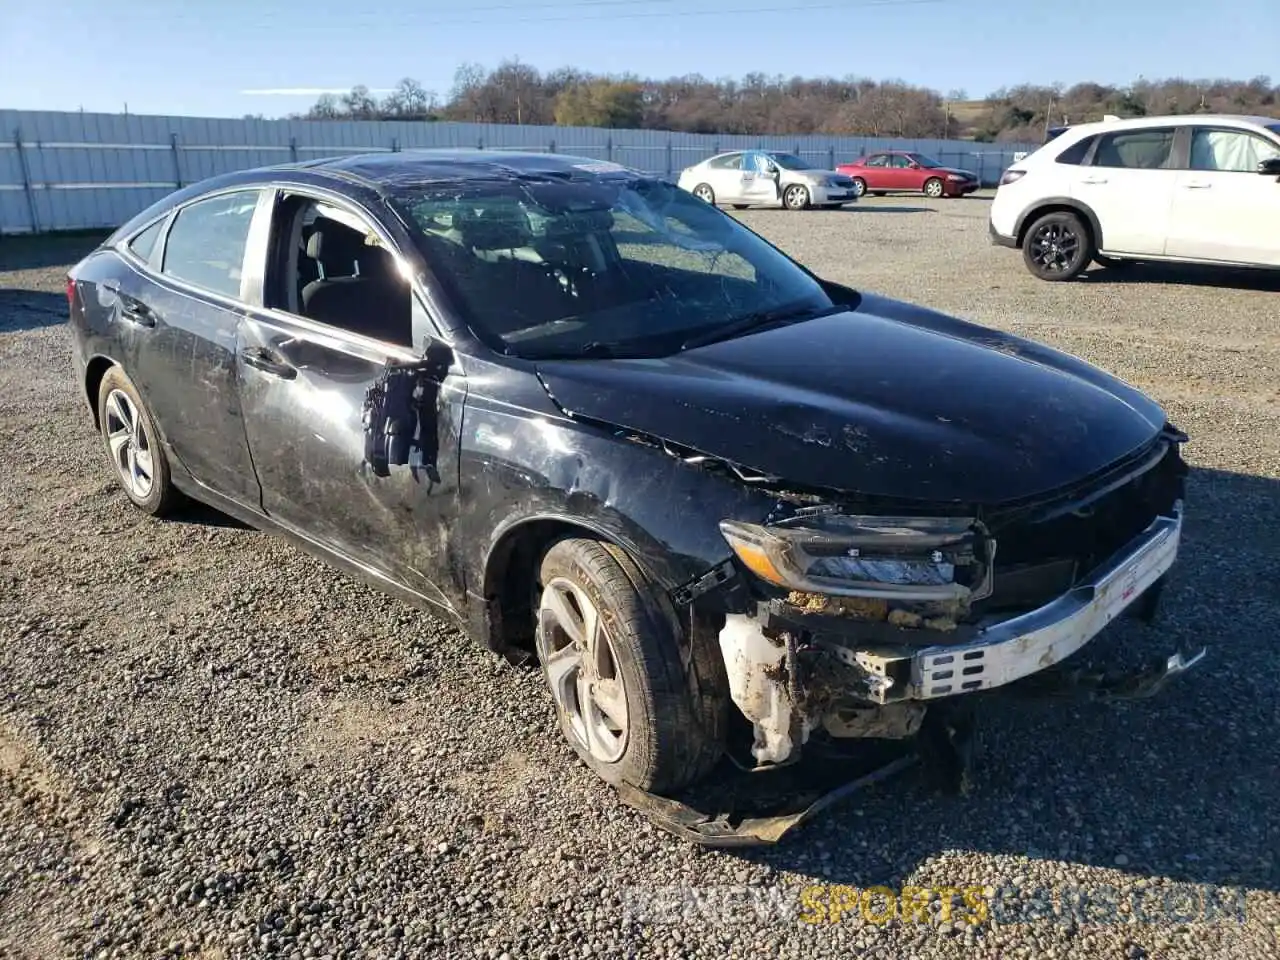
[[891, 558], [955, 177], [1011, 176]]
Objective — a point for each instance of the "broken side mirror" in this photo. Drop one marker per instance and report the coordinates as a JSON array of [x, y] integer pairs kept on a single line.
[[1270, 167], [399, 414]]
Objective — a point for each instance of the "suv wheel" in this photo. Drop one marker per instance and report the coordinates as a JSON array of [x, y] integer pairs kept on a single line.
[[639, 701], [1057, 246]]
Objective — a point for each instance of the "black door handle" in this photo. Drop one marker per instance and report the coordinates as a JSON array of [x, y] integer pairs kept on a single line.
[[265, 361]]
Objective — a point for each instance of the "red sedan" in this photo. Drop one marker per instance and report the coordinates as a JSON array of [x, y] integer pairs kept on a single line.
[[893, 171]]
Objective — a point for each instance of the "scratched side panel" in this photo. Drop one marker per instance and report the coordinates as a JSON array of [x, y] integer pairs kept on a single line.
[[521, 459]]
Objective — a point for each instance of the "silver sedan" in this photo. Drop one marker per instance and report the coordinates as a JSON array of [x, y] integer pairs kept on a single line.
[[746, 178]]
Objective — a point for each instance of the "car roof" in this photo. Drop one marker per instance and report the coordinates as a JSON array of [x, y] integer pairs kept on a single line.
[[406, 167], [1174, 120]]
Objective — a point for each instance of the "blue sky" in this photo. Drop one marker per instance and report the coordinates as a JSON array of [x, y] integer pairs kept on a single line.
[[161, 56]]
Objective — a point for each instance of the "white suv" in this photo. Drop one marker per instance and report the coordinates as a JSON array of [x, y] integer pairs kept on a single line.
[[1188, 189]]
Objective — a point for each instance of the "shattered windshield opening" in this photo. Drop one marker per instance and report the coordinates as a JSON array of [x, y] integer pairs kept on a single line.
[[620, 267]]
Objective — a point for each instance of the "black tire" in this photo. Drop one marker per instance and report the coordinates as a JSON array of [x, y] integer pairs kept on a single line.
[[796, 197], [704, 192], [933, 188], [159, 496], [877, 193], [1057, 246], [859, 187], [676, 689], [741, 206]]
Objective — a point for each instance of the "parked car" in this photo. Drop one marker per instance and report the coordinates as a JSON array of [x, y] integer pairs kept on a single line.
[[601, 424], [746, 178], [898, 171], [1185, 189]]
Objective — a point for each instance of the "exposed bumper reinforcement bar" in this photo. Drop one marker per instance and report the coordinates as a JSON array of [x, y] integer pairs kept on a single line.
[[1034, 641]]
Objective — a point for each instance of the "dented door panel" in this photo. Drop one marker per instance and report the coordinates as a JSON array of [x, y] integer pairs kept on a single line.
[[303, 393]]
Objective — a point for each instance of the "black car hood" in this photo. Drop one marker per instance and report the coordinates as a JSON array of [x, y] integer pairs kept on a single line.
[[967, 174], [884, 399]]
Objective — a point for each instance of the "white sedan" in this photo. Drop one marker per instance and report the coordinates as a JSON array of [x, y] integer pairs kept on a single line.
[[746, 178]]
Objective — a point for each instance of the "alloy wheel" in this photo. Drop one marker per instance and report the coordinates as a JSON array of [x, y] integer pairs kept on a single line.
[[933, 189], [582, 669], [796, 197], [129, 444], [1054, 247], [704, 194]]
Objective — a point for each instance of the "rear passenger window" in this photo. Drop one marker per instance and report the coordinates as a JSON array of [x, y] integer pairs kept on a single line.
[[207, 241], [1076, 152], [145, 242], [1229, 151], [1135, 149]]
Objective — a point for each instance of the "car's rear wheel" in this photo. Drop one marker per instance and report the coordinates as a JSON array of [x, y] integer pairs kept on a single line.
[[639, 701], [859, 187], [704, 193], [133, 445], [933, 188], [795, 197], [1057, 246]]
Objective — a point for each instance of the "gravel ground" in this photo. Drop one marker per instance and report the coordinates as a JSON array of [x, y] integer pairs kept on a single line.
[[213, 746]]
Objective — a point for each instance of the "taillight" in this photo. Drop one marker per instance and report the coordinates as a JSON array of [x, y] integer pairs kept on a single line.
[[1012, 176], [71, 291]]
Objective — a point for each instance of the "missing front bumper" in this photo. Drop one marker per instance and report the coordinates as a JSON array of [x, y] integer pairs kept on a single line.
[[788, 682], [1012, 649]]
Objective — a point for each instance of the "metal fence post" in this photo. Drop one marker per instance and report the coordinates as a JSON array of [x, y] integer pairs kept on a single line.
[[293, 149], [395, 144], [608, 149], [831, 157], [551, 147], [177, 163], [668, 158], [480, 144], [26, 180]]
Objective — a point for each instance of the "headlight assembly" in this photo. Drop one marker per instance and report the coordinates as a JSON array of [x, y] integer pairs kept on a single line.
[[890, 558]]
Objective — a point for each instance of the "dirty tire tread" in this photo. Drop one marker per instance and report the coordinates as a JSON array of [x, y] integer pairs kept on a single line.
[[165, 497], [675, 736]]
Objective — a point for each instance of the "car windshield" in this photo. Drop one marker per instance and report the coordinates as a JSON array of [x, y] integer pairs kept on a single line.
[[789, 161], [611, 267], [924, 161], [1274, 127]]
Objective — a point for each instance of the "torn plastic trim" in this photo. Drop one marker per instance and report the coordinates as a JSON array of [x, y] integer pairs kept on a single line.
[[720, 830]]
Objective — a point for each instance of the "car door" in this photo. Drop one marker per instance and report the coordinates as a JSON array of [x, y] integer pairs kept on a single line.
[[759, 184], [303, 385], [725, 177], [1223, 209], [181, 316], [1128, 182], [875, 172], [902, 175]]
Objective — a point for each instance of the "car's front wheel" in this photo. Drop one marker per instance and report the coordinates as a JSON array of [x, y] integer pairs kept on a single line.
[[638, 700], [933, 188], [133, 445], [1057, 246], [704, 193], [796, 197]]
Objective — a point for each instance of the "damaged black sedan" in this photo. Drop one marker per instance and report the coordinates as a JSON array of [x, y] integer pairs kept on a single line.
[[608, 428]]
